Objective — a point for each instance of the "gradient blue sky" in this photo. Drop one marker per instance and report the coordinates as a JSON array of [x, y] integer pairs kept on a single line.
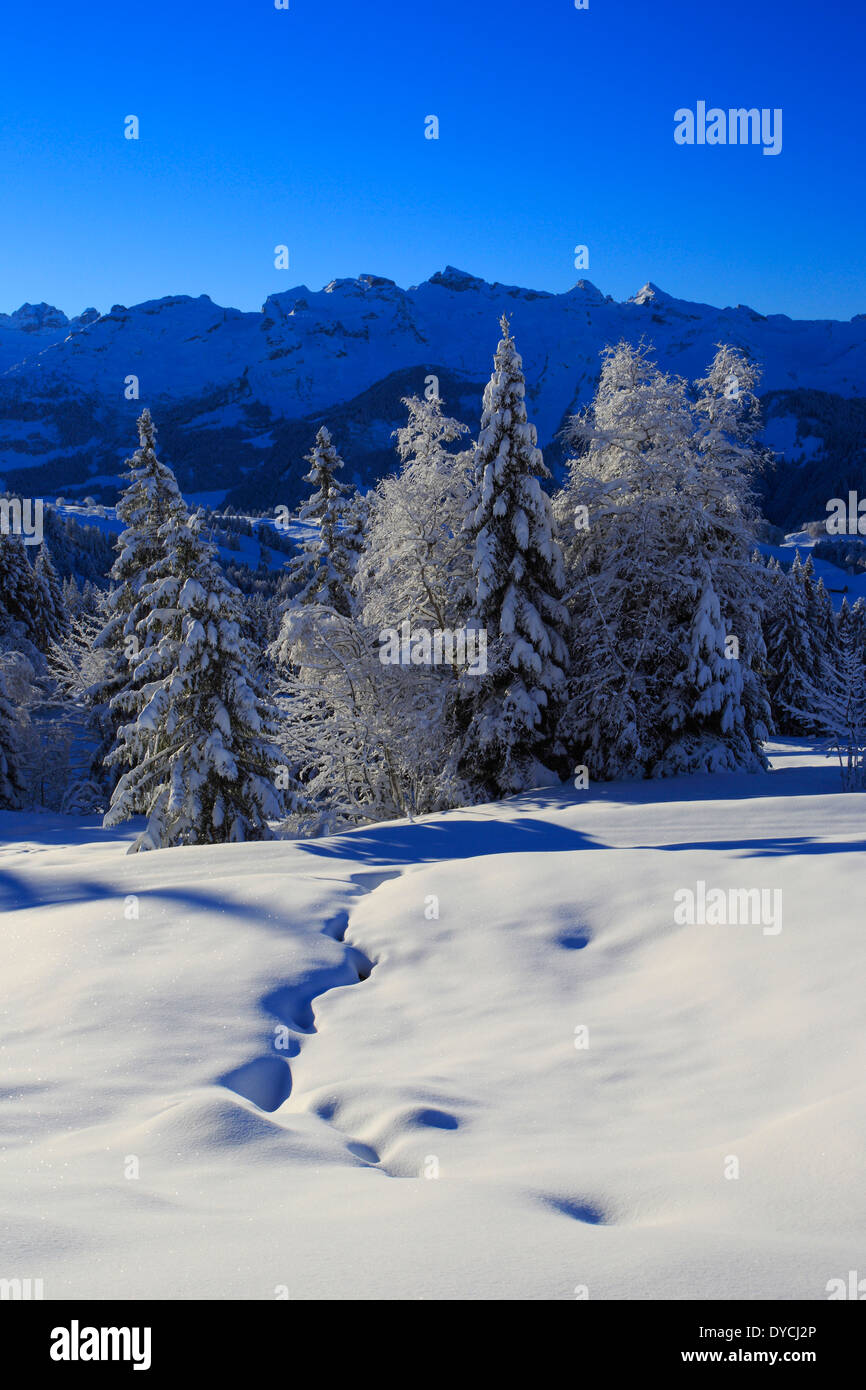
[[306, 127]]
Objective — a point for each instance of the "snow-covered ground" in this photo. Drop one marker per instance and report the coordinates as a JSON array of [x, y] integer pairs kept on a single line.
[[471, 1057]]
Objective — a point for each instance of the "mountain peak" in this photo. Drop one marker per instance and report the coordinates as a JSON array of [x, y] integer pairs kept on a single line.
[[453, 279], [30, 318], [648, 294], [83, 320], [360, 284], [589, 292]]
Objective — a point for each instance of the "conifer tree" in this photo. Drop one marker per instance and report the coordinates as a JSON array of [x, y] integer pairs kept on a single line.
[[858, 627], [150, 499], [838, 697], [11, 753], [73, 599], [20, 597], [705, 711], [355, 519], [52, 616], [506, 717], [200, 744], [324, 566], [794, 645]]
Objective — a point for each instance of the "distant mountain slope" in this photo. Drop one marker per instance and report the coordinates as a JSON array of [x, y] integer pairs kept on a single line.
[[238, 396]]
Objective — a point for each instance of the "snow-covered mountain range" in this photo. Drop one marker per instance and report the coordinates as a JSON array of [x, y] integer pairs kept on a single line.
[[237, 396]]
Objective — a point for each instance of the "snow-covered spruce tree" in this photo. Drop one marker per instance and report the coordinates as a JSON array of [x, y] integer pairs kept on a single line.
[[725, 718], [658, 526], [415, 563], [355, 518], [837, 698], [200, 744], [149, 501], [819, 614], [794, 645], [81, 598], [858, 627], [20, 596], [73, 599], [11, 752], [324, 566], [705, 712], [505, 719], [38, 754], [52, 617]]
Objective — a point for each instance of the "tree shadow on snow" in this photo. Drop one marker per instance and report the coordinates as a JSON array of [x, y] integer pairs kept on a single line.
[[772, 846], [467, 836], [17, 893]]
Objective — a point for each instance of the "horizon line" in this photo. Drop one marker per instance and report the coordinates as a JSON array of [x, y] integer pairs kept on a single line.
[[369, 280]]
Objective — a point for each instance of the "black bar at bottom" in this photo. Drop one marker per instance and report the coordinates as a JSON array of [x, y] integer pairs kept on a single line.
[[156, 1339]]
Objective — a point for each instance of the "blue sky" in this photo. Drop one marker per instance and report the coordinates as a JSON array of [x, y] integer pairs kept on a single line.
[[305, 127]]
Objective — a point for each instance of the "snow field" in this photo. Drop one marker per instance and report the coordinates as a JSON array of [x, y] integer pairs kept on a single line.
[[443, 1136]]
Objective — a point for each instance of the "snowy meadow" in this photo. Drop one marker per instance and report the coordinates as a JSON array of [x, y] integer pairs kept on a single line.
[[475, 1055]]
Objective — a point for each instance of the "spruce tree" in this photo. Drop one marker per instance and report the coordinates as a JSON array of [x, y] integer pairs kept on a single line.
[[73, 600], [150, 499], [355, 519], [324, 566], [794, 647], [506, 718], [838, 697], [11, 753], [52, 616], [200, 741], [858, 627], [20, 597], [705, 712]]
